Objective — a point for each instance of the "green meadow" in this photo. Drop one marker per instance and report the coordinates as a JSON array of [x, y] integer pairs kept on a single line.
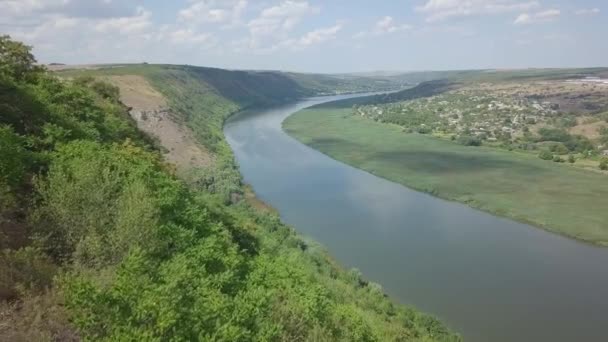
[[557, 197]]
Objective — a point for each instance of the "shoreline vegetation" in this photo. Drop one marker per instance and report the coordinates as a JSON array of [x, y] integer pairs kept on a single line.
[[103, 240], [558, 197]]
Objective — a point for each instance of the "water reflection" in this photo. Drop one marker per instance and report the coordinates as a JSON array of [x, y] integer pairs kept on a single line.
[[489, 278]]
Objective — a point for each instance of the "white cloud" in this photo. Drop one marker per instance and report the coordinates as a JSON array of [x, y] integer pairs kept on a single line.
[[213, 11], [19, 9], [544, 16], [384, 26], [63, 32], [320, 35], [523, 18], [126, 25], [587, 11], [438, 10], [188, 36], [272, 28], [282, 17]]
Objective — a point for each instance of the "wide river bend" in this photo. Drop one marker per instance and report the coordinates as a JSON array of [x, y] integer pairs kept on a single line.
[[488, 278]]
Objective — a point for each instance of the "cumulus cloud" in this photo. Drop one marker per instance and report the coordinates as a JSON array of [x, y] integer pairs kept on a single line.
[[95, 31], [211, 11], [70, 8], [544, 16], [587, 11], [320, 35], [273, 28], [126, 25], [384, 26], [69, 31], [438, 10], [282, 17], [188, 36]]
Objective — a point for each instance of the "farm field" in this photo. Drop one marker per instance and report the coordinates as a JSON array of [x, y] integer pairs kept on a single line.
[[557, 197]]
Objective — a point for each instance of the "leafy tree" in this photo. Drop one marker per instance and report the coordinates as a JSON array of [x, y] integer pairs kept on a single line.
[[16, 59]]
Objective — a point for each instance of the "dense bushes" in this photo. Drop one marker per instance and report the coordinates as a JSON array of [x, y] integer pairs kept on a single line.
[[14, 157], [468, 140], [132, 253], [573, 143], [545, 155]]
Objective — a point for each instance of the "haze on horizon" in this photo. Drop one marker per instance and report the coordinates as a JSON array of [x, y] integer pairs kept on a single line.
[[314, 35]]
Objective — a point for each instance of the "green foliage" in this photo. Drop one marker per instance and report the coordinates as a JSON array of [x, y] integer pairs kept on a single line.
[[16, 59], [545, 155], [559, 148], [573, 143], [604, 164], [13, 163], [553, 134], [424, 130], [571, 159], [24, 270], [115, 183], [468, 140], [36, 317], [104, 89], [603, 135], [139, 255], [568, 121]]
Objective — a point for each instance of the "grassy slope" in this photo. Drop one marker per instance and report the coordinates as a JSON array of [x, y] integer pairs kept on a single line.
[[205, 101], [207, 96], [558, 198]]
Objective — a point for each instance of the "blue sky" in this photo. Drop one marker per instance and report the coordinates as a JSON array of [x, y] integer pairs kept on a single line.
[[314, 35]]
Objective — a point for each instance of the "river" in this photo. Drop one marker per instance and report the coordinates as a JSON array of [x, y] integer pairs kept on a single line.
[[487, 278]]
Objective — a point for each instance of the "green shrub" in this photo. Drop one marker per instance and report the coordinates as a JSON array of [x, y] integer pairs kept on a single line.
[[545, 155], [571, 159], [24, 271], [96, 198], [553, 134], [559, 148], [424, 130], [604, 164], [37, 317], [468, 140], [13, 163]]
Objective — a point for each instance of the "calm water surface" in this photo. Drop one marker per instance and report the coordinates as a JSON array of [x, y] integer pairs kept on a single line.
[[488, 278]]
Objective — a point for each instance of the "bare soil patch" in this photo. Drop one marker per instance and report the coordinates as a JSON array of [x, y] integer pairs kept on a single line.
[[150, 111]]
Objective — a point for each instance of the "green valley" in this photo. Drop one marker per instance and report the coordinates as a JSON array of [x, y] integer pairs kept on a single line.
[[101, 239], [427, 138]]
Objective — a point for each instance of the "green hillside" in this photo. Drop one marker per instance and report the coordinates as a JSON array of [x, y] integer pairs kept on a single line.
[[101, 241]]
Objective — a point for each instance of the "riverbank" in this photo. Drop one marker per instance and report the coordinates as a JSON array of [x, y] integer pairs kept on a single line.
[[489, 278], [557, 198]]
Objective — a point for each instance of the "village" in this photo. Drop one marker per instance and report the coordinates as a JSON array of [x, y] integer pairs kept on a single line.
[[512, 115]]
